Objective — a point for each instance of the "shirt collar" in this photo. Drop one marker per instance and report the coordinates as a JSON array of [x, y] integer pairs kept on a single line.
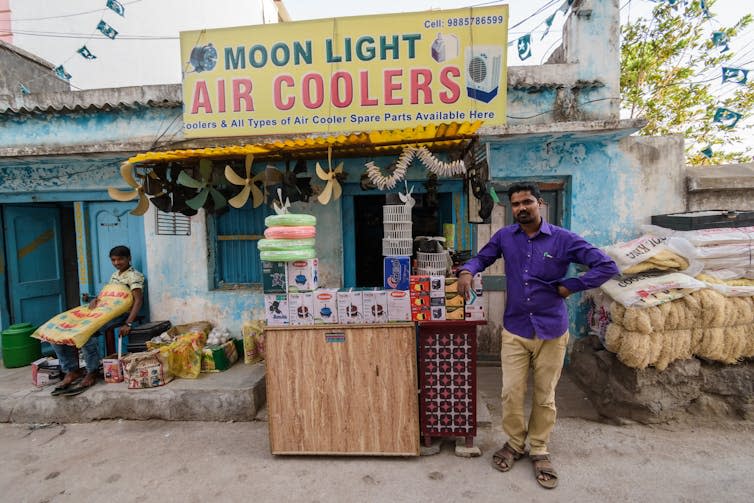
[[545, 228]]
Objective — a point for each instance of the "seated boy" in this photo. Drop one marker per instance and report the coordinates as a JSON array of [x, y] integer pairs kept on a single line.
[[125, 274]]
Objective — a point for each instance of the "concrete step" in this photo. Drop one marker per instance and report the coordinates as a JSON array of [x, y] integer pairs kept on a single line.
[[234, 395]]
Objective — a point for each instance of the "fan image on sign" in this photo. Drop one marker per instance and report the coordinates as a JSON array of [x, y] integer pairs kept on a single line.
[[483, 65]]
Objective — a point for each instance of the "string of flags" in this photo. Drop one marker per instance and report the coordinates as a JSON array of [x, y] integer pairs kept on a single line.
[[523, 43], [104, 28]]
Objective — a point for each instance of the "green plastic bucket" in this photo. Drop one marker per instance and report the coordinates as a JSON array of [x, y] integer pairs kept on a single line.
[[19, 348]]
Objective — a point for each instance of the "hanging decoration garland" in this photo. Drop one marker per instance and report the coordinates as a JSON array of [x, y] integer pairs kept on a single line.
[[438, 167], [382, 182], [432, 163]]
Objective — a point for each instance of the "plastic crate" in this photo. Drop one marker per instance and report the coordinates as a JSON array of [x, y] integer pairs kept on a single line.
[[432, 263], [396, 213], [695, 220], [393, 247], [400, 230]]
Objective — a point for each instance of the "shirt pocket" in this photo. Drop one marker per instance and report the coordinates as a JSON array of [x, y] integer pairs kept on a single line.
[[552, 268]]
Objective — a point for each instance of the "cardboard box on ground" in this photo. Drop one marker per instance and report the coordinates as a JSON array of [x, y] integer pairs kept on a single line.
[[45, 371]]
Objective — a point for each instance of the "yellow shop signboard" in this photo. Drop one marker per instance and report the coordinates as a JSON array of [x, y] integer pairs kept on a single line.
[[346, 74]]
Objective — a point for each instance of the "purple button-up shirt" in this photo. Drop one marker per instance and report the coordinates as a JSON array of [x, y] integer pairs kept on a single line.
[[533, 268]]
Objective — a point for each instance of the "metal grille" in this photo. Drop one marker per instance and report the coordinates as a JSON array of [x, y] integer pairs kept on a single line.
[[172, 224]]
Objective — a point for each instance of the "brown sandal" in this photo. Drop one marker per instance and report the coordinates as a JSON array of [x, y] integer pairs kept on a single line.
[[542, 466], [505, 457]]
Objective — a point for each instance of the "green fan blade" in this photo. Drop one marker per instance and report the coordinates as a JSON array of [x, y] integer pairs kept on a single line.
[[187, 181], [198, 201], [217, 198], [205, 169]]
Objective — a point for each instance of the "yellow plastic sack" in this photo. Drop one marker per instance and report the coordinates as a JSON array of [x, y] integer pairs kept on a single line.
[[253, 341], [185, 351], [185, 356], [75, 326]]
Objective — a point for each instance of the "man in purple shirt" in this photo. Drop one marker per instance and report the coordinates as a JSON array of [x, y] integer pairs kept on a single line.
[[535, 325]]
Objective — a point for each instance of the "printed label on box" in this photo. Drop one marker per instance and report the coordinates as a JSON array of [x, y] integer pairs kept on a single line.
[[419, 284], [303, 275], [396, 273], [375, 306], [301, 308], [274, 278], [437, 286], [398, 305], [438, 312], [325, 305], [350, 306], [422, 314], [276, 308]]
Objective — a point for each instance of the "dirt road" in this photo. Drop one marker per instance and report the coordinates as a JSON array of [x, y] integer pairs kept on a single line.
[[193, 461]]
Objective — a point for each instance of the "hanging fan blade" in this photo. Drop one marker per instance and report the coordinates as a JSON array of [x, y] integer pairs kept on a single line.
[[163, 203], [339, 169], [218, 199], [121, 195], [272, 176], [336, 190], [127, 172], [324, 197], [247, 162], [198, 201], [233, 177], [321, 173], [257, 196], [240, 199], [187, 181], [205, 170], [300, 167], [143, 205]]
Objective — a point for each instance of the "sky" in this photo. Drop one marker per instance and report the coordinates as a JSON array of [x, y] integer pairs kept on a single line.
[[146, 50]]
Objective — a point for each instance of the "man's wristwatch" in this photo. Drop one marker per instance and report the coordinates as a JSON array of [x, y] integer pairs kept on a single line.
[[129, 324]]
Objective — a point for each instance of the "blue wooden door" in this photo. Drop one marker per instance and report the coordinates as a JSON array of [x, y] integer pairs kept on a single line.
[[111, 225], [34, 256]]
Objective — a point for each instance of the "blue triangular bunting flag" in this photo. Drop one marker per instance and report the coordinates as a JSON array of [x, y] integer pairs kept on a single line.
[[735, 75], [727, 118], [61, 73], [116, 6], [86, 53], [524, 47], [705, 9], [107, 30], [707, 152], [548, 23]]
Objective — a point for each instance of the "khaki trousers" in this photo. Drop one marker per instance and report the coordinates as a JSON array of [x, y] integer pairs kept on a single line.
[[546, 359]]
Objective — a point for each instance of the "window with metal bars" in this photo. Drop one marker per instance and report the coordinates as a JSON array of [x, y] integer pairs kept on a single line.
[[237, 232], [172, 224]]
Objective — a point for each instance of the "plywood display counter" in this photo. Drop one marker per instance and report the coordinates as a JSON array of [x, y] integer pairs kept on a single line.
[[343, 389]]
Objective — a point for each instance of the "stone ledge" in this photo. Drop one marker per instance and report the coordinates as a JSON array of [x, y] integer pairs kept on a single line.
[[686, 388], [234, 395]]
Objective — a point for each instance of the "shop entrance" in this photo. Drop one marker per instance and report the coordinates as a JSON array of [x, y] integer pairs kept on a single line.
[[428, 215]]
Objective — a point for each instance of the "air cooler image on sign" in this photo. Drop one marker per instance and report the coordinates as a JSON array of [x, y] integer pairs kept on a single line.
[[483, 64]]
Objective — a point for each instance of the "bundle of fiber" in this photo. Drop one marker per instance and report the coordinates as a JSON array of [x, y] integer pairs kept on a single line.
[[704, 323]]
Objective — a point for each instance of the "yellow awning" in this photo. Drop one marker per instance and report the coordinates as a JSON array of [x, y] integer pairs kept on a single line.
[[387, 142]]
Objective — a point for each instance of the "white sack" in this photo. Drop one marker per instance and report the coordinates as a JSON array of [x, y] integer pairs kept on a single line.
[[630, 253], [706, 237], [647, 289]]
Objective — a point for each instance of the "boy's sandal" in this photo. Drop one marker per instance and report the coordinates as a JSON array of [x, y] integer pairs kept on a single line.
[[59, 390], [543, 466], [505, 457], [84, 384]]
